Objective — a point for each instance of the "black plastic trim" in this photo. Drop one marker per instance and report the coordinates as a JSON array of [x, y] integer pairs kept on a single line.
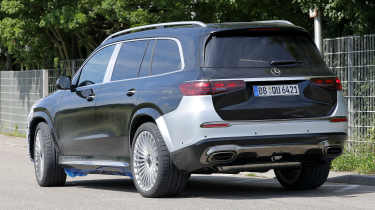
[[188, 158]]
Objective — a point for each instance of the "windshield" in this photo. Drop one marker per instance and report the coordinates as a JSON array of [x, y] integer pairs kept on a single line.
[[261, 51]]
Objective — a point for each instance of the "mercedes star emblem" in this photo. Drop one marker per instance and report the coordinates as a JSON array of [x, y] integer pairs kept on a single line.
[[275, 71]]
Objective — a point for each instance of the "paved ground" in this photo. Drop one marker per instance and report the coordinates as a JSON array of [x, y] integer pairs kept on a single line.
[[18, 190]]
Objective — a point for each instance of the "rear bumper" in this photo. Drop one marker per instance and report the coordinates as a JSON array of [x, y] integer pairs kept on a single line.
[[182, 127], [234, 154]]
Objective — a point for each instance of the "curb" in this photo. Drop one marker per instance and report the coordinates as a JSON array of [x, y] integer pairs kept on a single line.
[[334, 177], [354, 179]]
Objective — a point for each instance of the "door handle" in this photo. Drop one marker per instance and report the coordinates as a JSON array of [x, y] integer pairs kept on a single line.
[[90, 98], [130, 92]]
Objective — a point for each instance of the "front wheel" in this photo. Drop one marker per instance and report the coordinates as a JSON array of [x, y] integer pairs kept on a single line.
[[154, 173], [304, 178], [47, 171]]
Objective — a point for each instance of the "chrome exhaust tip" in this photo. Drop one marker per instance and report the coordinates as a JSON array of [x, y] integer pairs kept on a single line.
[[222, 157]]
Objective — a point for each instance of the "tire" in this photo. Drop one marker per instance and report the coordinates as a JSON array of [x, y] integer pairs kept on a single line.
[[304, 178], [47, 171], [154, 174]]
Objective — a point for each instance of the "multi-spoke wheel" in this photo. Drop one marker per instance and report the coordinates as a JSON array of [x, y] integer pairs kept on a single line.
[[47, 170], [38, 156], [145, 160], [154, 173]]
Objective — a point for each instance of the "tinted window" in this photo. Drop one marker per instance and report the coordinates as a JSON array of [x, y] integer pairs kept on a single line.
[[94, 70], [129, 60], [260, 51], [166, 57], [146, 63]]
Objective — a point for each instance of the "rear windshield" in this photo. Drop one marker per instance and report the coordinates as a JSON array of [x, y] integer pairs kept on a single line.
[[261, 51]]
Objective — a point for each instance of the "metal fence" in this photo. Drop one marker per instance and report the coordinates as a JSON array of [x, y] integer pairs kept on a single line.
[[19, 90], [67, 68], [353, 60]]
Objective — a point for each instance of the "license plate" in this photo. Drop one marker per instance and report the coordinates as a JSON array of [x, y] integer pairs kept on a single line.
[[276, 90]]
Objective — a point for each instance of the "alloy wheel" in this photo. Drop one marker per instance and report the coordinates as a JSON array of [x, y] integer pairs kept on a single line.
[[38, 156], [145, 160]]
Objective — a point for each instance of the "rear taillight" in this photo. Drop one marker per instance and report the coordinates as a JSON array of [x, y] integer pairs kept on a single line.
[[194, 88], [330, 82], [338, 84], [338, 119]]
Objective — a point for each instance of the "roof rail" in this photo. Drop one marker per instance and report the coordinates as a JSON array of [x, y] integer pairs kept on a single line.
[[262, 21], [274, 21], [180, 23]]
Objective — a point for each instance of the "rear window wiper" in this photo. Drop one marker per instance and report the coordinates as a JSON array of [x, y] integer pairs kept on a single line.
[[285, 62]]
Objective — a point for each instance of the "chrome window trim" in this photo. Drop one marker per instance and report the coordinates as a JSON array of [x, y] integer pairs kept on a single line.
[[182, 58]]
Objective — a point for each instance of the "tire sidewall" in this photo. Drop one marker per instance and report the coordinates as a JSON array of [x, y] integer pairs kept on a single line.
[[53, 174], [41, 178], [152, 128], [282, 177], [310, 177]]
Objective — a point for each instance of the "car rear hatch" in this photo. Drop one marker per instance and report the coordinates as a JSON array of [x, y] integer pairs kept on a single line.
[[268, 73]]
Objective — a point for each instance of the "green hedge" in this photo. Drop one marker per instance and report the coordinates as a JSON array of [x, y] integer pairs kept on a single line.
[[362, 163]]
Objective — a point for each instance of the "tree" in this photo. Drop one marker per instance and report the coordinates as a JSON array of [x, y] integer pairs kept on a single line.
[[343, 17], [36, 33]]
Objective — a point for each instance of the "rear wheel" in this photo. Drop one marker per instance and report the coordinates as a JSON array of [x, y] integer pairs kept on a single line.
[[304, 178], [47, 171], [154, 173]]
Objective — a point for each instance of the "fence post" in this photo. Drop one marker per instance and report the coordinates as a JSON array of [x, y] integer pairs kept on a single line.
[[73, 67], [45, 82], [350, 88]]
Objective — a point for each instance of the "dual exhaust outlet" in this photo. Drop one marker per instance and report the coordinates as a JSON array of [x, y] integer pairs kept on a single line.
[[222, 157], [228, 153]]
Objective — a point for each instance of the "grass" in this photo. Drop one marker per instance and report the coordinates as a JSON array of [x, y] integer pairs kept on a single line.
[[15, 134], [363, 163]]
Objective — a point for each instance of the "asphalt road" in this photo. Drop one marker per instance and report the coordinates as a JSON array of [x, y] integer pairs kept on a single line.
[[19, 190]]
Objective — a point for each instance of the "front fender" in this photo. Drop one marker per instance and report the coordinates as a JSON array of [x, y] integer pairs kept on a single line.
[[35, 118]]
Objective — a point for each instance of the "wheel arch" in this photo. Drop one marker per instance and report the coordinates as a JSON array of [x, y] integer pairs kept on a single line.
[[37, 118], [139, 117]]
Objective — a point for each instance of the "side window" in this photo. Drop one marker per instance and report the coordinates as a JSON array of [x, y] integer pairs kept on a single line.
[[129, 60], [166, 57], [94, 70], [145, 69]]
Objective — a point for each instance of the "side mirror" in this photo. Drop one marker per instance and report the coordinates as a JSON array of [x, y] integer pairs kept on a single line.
[[63, 83]]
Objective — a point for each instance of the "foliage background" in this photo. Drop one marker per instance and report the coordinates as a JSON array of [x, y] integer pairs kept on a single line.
[[35, 34]]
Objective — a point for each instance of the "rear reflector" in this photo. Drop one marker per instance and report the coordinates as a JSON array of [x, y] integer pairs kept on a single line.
[[210, 87], [331, 82], [215, 125], [338, 84], [338, 119]]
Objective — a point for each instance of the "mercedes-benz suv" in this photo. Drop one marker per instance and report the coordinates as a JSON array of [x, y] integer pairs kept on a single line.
[[160, 102]]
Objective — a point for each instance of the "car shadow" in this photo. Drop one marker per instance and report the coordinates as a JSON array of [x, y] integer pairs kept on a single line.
[[121, 184], [232, 187]]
